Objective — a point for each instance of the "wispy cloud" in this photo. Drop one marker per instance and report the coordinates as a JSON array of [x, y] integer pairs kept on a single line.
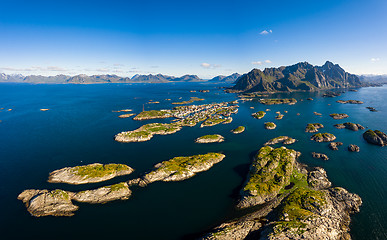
[[210, 66], [375, 59], [56, 69], [102, 70], [36, 69], [261, 62], [266, 32]]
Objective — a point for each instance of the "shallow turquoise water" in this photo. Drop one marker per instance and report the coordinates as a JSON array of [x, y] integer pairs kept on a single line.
[[80, 126]]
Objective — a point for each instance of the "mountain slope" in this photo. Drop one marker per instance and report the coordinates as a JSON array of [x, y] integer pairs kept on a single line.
[[225, 79], [299, 77]]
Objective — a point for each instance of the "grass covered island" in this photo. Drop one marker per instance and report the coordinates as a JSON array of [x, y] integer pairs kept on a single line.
[[338, 115], [146, 132], [210, 138], [238, 130], [313, 127], [281, 139], [323, 137], [272, 101], [181, 168], [91, 173], [269, 173], [270, 125], [295, 202], [259, 115], [58, 202]]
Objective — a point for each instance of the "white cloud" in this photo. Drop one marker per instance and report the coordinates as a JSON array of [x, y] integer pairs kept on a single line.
[[266, 32], [55, 68], [260, 62], [210, 66], [35, 69], [375, 59], [102, 70], [205, 65]]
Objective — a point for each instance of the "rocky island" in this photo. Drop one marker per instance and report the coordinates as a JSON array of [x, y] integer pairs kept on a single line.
[[269, 173], [353, 148], [270, 125], [58, 202], [271, 101], [181, 168], [127, 115], [349, 101], [281, 139], [192, 99], [349, 125], [259, 115], [146, 132], [313, 127], [210, 138], [320, 155], [334, 145], [238, 130], [323, 137], [91, 173], [375, 137], [294, 203], [42, 203], [338, 115]]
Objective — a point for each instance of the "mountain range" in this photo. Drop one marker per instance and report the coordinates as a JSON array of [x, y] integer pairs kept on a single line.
[[85, 79], [298, 77]]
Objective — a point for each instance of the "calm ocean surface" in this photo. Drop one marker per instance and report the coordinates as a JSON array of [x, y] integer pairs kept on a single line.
[[80, 126]]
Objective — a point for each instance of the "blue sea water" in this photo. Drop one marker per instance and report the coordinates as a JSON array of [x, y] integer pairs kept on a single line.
[[80, 126]]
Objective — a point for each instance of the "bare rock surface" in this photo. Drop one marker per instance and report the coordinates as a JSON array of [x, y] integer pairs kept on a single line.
[[119, 191], [41, 203]]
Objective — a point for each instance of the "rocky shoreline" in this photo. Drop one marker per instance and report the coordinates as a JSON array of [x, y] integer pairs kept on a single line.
[[301, 205], [215, 138], [91, 173], [58, 202]]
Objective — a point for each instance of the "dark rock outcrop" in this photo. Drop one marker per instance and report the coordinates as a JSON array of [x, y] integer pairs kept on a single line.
[[334, 145], [323, 137], [353, 148], [338, 115], [320, 155], [375, 137], [350, 126]]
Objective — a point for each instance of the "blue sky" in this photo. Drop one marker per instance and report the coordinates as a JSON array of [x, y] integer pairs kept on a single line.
[[206, 38]]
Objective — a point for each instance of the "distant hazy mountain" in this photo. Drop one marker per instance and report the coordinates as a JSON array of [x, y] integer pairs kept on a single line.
[[85, 79], [225, 79], [373, 78], [11, 78], [299, 77]]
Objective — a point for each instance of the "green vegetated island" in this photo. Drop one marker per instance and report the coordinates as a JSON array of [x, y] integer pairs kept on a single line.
[[294, 202], [239, 129], [208, 114], [212, 138], [60, 202], [313, 127]]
